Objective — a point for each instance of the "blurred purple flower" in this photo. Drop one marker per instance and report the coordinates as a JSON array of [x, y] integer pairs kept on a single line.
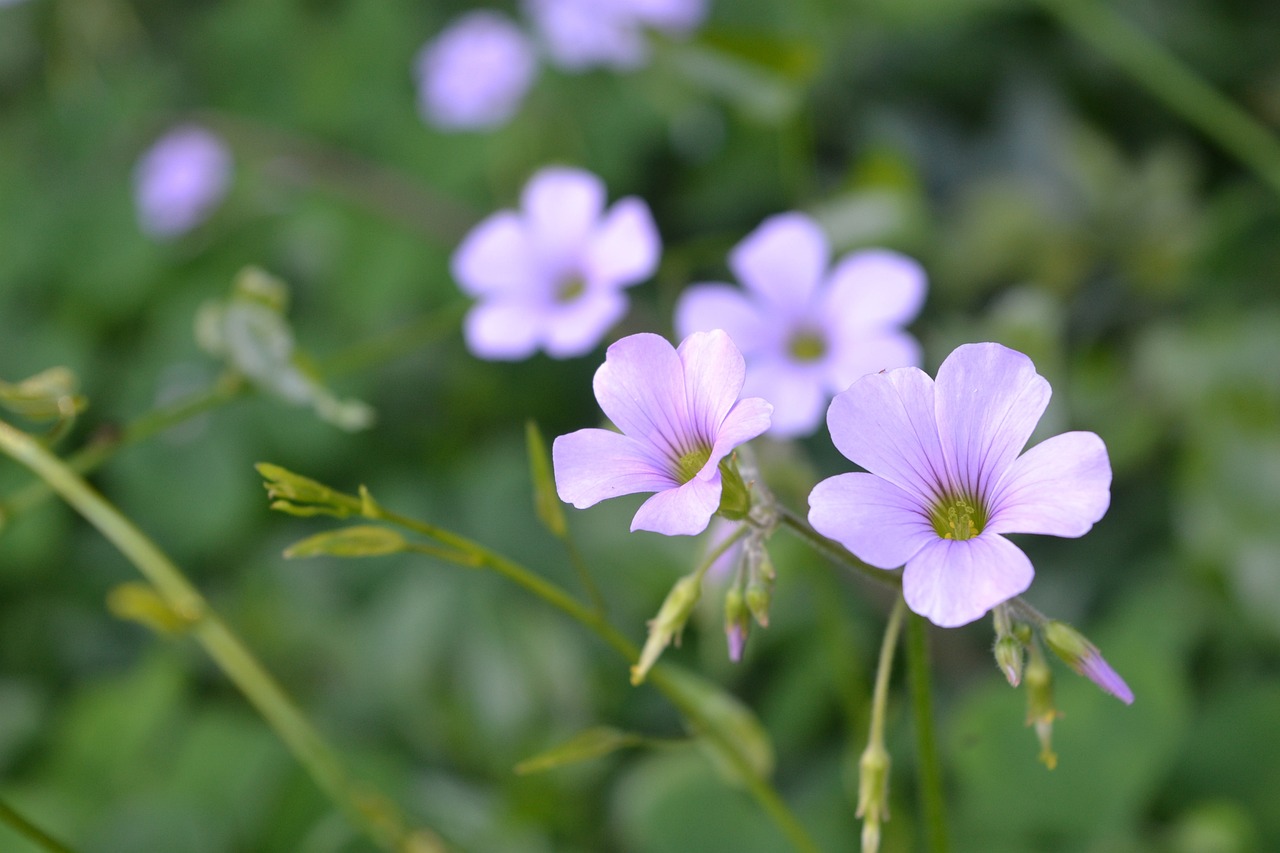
[[475, 74], [946, 479], [807, 333], [680, 415], [180, 179], [551, 275], [582, 34]]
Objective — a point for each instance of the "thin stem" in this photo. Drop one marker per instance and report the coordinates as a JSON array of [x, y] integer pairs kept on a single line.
[[28, 830], [880, 694], [836, 552], [376, 815], [928, 763], [1175, 83]]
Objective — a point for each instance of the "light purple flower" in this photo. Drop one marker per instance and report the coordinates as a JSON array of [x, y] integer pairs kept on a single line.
[[946, 480], [551, 275], [808, 332], [180, 179], [680, 415], [582, 34], [475, 74]]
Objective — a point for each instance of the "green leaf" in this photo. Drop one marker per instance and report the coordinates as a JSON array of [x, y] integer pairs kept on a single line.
[[587, 745], [546, 502], [739, 737], [362, 540]]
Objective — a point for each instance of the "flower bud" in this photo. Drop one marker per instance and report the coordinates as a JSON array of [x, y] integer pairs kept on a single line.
[[1008, 652], [873, 794], [760, 578], [1041, 711], [668, 624], [737, 622], [1083, 657]]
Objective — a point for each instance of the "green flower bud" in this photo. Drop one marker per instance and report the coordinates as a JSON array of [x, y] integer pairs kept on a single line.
[[669, 624], [873, 794]]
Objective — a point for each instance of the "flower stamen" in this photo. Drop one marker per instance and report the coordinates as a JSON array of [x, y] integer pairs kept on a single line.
[[688, 465], [958, 518]]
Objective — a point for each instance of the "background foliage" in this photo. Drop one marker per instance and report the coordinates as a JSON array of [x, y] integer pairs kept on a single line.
[[1059, 208]]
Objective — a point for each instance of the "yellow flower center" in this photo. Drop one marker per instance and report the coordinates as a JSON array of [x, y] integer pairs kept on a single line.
[[688, 465], [958, 518], [570, 289], [807, 345]]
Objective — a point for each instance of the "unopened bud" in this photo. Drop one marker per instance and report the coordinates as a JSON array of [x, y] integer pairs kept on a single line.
[[668, 624], [737, 622], [1008, 652], [760, 577], [1083, 657], [873, 794], [1041, 711], [298, 495]]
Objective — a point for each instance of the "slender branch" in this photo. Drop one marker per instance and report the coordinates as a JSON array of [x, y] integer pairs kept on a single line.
[[1175, 83], [28, 830], [928, 763], [376, 815]]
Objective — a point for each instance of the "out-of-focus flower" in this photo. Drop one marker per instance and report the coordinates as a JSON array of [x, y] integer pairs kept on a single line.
[[808, 333], [946, 479], [551, 275], [475, 74], [582, 34], [180, 179], [680, 416]]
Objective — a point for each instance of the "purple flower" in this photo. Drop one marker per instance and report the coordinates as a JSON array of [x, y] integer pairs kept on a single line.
[[680, 415], [551, 275], [180, 179], [475, 74], [946, 479], [807, 332], [581, 34]]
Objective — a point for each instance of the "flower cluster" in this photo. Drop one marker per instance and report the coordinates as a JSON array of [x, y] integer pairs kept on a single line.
[[475, 73]]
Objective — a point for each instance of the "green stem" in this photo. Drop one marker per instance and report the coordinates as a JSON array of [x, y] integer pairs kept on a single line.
[[28, 830], [880, 694], [595, 621], [1175, 83], [374, 814], [928, 764], [836, 552]]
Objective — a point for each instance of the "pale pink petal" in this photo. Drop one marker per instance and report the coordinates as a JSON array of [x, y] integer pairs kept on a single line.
[[496, 258], [640, 387], [1060, 487], [952, 583], [561, 207], [988, 399], [576, 328], [703, 307], [783, 261], [798, 394], [680, 512], [879, 523], [853, 357], [748, 419], [875, 289], [885, 423], [504, 331], [592, 465], [624, 248], [713, 374]]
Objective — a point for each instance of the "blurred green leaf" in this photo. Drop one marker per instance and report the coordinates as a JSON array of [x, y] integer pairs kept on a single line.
[[736, 726], [361, 540], [546, 501], [586, 745]]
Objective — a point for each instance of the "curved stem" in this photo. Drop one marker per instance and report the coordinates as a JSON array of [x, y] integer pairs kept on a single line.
[[11, 818], [1175, 83], [929, 766], [376, 815]]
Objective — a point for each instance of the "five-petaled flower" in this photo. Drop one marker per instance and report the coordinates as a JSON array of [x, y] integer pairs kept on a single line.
[[180, 179], [680, 415], [474, 75], [551, 275], [806, 333], [946, 479]]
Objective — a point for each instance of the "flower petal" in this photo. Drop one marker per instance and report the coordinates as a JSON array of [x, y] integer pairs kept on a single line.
[[561, 207], [989, 399], [497, 258], [713, 375], [505, 330], [885, 423], [577, 327], [475, 74], [625, 247], [1060, 487], [877, 521], [854, 356], [683, 511], [953, 582], [798, 394], [640, 387], [594, 464], [783, 260], [876, 289], [748, 418], [703, 307]]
